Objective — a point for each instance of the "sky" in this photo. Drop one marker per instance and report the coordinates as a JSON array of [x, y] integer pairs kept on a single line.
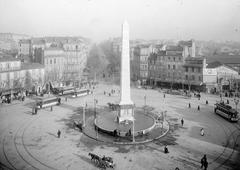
[[99, 20]]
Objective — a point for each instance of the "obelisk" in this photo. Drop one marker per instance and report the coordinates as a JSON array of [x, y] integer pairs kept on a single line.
[[126, 105]]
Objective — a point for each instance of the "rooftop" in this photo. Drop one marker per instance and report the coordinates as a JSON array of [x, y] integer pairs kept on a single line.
[[174, 48], [186, 43], [214, 64], [27, 66], [25, 41], [5, 58], [225, 59]]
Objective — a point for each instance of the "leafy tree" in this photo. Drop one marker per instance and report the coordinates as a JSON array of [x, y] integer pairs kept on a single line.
[[97, 61], [28, 81]]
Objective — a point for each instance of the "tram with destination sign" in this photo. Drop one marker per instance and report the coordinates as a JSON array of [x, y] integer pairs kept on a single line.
[[48, 102], [226, 111]]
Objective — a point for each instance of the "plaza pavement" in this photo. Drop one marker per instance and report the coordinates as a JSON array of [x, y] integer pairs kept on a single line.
[[30, 141]]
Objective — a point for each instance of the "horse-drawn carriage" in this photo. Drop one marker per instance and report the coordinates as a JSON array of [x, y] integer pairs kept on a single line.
[[104, 162]]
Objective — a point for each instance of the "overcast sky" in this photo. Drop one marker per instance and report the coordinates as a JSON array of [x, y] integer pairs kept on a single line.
[[102, 19]]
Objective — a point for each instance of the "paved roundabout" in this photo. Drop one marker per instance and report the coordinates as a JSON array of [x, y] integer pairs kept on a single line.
[[30, 142]]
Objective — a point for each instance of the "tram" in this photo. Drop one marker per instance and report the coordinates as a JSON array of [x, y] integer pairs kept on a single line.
[[48, 102], [226, 111], [63, 91], [82, 92]]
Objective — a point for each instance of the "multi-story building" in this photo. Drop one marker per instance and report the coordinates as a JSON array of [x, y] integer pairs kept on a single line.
[[166, 66], [54, 62], [176, 66], [193, 72], [75, 54], [14, 74], [144, 53], [25, 47]]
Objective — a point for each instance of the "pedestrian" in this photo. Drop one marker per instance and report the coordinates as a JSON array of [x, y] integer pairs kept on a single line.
[[59, 100], [204, 162], [166, 149], [198, 107], [206, 102], [202, 132], [182, 121], [59, 133], [189, 105]]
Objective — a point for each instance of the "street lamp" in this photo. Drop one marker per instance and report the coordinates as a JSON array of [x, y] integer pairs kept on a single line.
[[84, 110], [95, 115]]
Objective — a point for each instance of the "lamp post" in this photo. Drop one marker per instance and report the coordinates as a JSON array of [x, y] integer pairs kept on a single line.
[[145, 98], [95, 115], [84, 107], [133, 138]]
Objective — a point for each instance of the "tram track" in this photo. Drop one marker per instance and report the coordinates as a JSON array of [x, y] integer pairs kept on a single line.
[[6, 157], [233, 149], [12, 166], [23, 152], [30, 154], [228, 138]]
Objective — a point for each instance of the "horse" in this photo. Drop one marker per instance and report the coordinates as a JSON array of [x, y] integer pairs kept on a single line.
[[94, 157], [108, 159]]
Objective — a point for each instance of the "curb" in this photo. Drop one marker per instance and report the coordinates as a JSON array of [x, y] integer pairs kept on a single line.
[[130, 143]]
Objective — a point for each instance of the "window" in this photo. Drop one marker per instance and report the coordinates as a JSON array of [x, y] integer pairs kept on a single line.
[[186, 77], [192, 69], [50, 61], [186, 69], [200, 78], [173, 58], [199, 70], [169, 58], [168, 74], [193, 77], [54, 60], [168, 66], [174, 67]]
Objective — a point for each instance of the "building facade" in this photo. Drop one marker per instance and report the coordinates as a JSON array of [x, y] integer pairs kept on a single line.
[[219, 77], [25, 47], [193, 69], [54, 62], [15, 74], [75, 54]]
